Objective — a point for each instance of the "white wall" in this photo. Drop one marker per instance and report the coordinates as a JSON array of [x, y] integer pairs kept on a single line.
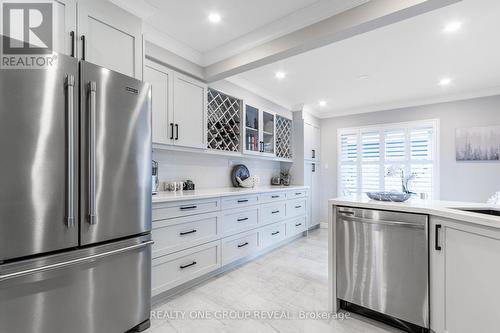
[[208, 171], [459, 181]]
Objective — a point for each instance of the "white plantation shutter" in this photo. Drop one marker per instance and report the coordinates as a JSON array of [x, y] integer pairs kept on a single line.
[[367, 153]]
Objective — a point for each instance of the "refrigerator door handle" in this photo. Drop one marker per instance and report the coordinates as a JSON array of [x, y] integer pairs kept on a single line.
[[70, 85], [92, 153], [73, 262]]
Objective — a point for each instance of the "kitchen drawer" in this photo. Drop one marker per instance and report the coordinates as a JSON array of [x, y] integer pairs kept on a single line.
[[296, 226], [271, 235], [177, 268], [272, 196], [170, 210], [295, 194], [273, 212], [238, 220], [181, 233], [296, 207], [239, 246], [240, 201]]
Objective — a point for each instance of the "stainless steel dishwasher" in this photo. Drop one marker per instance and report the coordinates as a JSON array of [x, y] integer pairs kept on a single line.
[[383, 266]]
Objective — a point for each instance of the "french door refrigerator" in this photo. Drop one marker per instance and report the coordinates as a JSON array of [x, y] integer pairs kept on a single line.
[[75, 200]]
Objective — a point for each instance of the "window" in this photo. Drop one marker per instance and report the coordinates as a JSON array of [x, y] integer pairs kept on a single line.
[[367, 153]]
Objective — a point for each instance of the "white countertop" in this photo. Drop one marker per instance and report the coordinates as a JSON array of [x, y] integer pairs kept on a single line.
[[429, 207], [219, 192]]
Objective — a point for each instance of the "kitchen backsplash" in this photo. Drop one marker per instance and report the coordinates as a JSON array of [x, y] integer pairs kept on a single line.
[[208, 171]]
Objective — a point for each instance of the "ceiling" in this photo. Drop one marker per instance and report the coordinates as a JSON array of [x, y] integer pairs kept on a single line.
[[403, 63], [183, 26]]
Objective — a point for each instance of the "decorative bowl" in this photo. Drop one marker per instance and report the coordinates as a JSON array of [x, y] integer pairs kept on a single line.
[[389, 196]]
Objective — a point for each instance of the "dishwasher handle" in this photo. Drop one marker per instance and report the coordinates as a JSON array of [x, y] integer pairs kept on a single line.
[[384, 222]]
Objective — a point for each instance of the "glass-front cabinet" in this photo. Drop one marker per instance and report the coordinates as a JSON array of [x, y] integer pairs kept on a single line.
[[259, 131]]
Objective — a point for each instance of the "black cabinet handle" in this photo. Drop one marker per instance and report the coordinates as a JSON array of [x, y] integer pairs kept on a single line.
[[313, 167], [275, 196], [188, 232], [243, 200], [298, 224], [298, 206], [83, 46], [313, 153], [242, 219], [275, 233], [72, 34], [188, 207], [171, 131], [437, 246], [242, 245], [188, 265], [176, 131], [275, 212]]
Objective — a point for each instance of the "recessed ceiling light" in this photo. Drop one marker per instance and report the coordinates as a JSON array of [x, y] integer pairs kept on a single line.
[[363, 77], [453, 26], [444, 81], [280, 75], [322, 103], [214, 17]]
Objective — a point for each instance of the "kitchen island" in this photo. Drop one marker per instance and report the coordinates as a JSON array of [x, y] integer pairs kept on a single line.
[[461, 256]]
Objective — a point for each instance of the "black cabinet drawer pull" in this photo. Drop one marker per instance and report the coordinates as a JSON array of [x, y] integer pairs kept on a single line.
[[275, 212], [298, 224], [72, 35], [313, 153], [298, 193], [298, 206], [176, 131], [275, 233], [437, 246], [242, 245], [83, 46], [171, 131], [188, 265], [243, 200], [188, 207], [188, 232], [275, 196], [242, 219]]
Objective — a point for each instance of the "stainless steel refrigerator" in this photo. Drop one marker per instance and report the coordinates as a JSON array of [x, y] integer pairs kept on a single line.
[[75, 200]]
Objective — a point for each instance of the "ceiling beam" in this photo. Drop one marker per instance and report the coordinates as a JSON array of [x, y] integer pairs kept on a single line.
[[366, 17]]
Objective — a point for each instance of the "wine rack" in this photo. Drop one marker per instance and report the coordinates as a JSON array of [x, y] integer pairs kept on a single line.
[[283, 137], [224, 117]]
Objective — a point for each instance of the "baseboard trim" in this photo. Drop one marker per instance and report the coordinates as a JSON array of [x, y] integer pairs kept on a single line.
[[186, 287]]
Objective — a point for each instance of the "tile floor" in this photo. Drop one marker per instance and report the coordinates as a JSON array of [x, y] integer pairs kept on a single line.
[[291, 280]]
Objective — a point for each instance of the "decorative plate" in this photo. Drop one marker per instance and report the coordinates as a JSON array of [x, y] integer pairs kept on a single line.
[[241, 171], [389, 196]]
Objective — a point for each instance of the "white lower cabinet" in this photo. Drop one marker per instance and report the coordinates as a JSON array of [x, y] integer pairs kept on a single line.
[[239, 246], [296, 226], [176, 234], [174, 269], [196, 237], [271, 235], [464, 275], [238, 220]]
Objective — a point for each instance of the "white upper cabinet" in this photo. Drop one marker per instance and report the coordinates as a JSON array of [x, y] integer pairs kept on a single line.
[[312, 139], [259, 132], [110, 37], [161, 80], [179, 107], [65, 32], [190, 104]]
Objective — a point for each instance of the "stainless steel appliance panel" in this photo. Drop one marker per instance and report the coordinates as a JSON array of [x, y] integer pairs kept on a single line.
[[105, 289], [115, 155], [38, 164], [382, 262]]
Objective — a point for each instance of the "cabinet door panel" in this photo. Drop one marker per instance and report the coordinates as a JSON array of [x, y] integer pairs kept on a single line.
[[64, 24], [316, 147], [113, 37], [308, 141], [161, 84], [189, 112]]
